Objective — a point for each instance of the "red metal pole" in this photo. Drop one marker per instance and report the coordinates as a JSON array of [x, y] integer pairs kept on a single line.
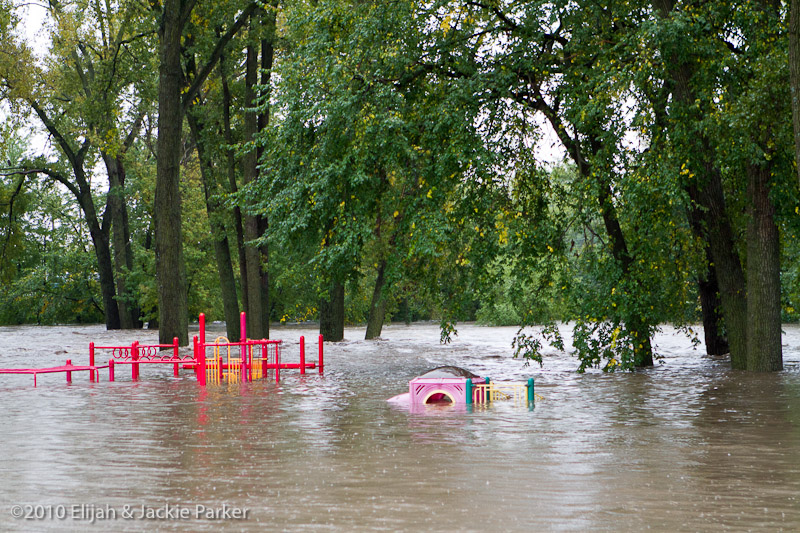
[[320, 354], [277, 362], [250, 350], [202, 320], [243, 367], [302, 355], [110, 370], [243, 339], [201, 344], [175, 352], [264, 356], [69, 374], [134, 358], [199, 363], [91, 361]]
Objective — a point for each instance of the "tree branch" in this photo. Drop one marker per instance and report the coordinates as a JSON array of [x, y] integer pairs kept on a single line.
[[204, 72]]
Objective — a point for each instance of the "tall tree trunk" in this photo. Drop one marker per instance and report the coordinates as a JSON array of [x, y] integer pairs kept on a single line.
[[267, 58], [708, 287], [222, 252], [232, 187], [170, 266], [331, 314], [706, 192], [794, 75], [255, 297], [763, 276], [377, 307], [120, 237], [105, 268], [716, 342], [730, 274]]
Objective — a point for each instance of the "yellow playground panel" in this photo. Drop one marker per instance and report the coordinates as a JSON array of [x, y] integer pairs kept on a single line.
[[225, 364], [520, 393]]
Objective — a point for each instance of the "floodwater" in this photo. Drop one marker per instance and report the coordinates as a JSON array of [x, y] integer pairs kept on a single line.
[[687, 446]]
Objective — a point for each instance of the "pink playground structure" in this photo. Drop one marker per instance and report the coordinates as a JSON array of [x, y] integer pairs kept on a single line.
[[456, 386], [212, 362]]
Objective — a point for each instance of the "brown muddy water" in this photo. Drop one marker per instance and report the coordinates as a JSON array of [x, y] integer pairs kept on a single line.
[[687, 446]]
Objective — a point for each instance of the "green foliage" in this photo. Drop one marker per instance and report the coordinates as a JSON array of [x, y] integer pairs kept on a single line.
[[47, 268], [405, 134]]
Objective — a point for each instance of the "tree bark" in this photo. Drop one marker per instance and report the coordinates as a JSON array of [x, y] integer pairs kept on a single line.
[[763, 276], [170, 267], [232, 186], [716, 342], [710, 214], [120, 237], [331, 314], [638, 327], [377, 307], [256, 297], [267, 58], [730, 274], [105, 269], [708, 286], [222, 252]]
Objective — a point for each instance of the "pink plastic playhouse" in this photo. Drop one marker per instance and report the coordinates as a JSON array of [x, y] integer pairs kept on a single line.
[[457, 386]]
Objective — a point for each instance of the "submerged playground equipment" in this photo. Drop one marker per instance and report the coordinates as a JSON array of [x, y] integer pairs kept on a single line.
[[457, 386], [212, 362]]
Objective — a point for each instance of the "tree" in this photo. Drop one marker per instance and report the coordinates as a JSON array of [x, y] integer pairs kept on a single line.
[[77, 98], [175, 94], [365, 178]]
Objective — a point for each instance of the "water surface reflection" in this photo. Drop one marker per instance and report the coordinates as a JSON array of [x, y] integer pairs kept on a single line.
[[689, 445]]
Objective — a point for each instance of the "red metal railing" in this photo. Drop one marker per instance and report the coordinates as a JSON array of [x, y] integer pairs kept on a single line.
[[137, 354], [248, 365], [252, 363]]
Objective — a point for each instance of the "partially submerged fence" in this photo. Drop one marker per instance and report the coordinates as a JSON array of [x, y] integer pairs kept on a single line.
[[245, 360]]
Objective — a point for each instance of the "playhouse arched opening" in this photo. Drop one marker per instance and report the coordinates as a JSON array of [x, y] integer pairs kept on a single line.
[[439, 397]]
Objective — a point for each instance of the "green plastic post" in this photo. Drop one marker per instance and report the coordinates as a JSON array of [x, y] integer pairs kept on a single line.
[[468, 392], [531, 396]]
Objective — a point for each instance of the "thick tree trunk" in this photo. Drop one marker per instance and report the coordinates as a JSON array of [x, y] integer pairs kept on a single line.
[[232, 186], [708, 286], [222, 252], [267, 58], [637, 326], [794, 75], [331, 314], [256, 297], [709, 218], [105, 269], [105, 273], [716, 342], [763, 276], [711, 199], [170, 267], [102, 250], [120, 237], [377, 307]]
